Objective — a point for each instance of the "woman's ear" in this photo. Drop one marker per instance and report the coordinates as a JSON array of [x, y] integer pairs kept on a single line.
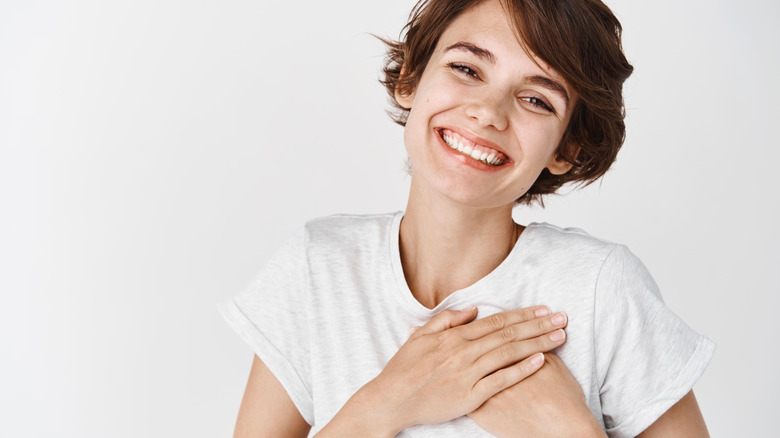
[[559, 166], [401, 96]]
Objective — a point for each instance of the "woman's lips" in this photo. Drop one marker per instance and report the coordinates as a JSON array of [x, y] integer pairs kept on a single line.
[[477, 151]]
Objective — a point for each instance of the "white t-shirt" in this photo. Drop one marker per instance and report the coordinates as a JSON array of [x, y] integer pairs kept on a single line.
[[332, 307]]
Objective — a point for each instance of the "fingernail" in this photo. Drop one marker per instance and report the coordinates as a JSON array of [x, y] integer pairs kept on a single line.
[[469, 309], [412, 330], [542, 311], [537, 359], [559, 319], [557, 335]]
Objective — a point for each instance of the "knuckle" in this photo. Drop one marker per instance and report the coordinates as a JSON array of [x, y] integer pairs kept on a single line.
[[507, 352], [509, 334], [528, 314], [497, 321], [527, 367], [544, 342], [542, 325]]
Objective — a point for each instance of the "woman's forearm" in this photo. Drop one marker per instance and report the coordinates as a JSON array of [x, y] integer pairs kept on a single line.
[[362, 416]]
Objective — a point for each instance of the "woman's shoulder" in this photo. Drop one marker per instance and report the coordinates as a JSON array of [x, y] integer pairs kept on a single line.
[[342, 229], [577, 250], [570, 240], [350, 223]]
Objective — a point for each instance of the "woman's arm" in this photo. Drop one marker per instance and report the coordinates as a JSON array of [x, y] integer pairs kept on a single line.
[[266, 409], [684, 419]]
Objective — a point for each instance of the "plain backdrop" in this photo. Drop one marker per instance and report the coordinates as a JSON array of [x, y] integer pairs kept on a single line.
[[153, 154]]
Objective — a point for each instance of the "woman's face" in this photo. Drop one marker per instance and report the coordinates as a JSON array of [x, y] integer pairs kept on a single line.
[[481, 91]]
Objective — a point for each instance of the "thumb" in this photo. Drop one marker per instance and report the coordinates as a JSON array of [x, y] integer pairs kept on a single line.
[[446, 320]]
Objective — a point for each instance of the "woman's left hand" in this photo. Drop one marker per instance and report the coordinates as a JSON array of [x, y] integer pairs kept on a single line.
[[549, 403]]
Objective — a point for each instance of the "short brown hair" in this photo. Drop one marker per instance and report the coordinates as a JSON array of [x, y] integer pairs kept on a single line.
[[580, 39]]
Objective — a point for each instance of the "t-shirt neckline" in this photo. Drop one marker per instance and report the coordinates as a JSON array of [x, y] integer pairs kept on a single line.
[[459, 298]]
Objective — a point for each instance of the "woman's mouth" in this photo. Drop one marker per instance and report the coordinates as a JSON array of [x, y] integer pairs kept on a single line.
[[481, 153]]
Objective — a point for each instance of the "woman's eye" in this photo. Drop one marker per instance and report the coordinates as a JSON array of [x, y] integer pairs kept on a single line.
[[538, 103], [464, 69]]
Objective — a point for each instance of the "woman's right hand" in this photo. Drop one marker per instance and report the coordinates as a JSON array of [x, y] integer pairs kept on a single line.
[[449, 367]]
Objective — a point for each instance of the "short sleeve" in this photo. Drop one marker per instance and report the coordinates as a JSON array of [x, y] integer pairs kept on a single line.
[[647, 358], [270, 315]]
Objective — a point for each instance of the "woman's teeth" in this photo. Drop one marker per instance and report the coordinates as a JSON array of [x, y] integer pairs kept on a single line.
[[463, 146]]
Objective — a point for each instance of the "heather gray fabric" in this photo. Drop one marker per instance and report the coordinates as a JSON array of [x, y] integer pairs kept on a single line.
[[332, 307]]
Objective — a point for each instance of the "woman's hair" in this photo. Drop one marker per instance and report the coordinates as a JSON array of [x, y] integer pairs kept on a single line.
[[580, 39]]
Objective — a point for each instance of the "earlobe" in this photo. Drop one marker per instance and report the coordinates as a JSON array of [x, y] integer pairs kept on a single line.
[[559, 166], [405, 100]]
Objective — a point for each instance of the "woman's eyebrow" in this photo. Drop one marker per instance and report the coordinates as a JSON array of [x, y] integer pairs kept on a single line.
[[469, 47], [550, 84], [488, 56]]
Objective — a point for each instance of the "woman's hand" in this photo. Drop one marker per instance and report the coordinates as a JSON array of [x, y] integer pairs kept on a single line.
[[548, 404], [448, 368]]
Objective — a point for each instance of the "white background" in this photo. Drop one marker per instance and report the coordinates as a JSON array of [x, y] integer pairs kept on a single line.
[[154, 153]]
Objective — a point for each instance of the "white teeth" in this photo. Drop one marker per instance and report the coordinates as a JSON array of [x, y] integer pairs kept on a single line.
[[487, 158]]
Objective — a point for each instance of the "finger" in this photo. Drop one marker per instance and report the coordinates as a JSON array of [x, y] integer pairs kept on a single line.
[[520, 331], [502, 379], [499, 321], [446, 320], [512, 352]]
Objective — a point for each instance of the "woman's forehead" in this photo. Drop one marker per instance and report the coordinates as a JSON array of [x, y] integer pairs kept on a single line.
[[486, 30]]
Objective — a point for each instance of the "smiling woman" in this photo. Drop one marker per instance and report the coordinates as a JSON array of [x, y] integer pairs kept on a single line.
[[481, 86], [579, 43], [449, 319]]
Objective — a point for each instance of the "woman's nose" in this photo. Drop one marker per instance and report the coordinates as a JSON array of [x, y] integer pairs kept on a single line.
[[488, 109]]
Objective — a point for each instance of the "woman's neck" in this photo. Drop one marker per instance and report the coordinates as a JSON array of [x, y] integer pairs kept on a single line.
[[446, 246]]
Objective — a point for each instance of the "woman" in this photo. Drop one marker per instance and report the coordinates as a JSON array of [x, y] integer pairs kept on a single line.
[[502, 102]]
